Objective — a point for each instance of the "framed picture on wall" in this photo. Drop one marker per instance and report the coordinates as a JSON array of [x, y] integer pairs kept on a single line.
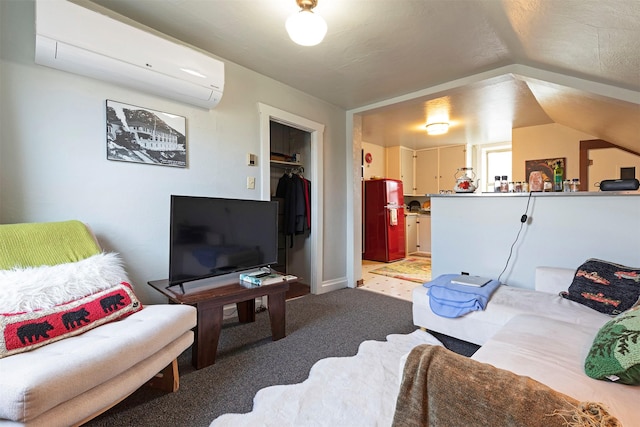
[[545, 167], [141, 135]]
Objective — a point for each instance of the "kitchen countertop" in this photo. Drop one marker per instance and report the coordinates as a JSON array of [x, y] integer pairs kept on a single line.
[[542, 194]]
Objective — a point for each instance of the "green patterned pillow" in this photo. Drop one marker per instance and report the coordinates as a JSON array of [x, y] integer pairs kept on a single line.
[[615, 352]]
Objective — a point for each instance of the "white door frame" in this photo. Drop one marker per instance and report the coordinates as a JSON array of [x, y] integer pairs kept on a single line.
[[268, 114]]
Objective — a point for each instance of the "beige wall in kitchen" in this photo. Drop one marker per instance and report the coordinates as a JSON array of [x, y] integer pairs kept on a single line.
[[546, 142], [376, 167], [607, 163]]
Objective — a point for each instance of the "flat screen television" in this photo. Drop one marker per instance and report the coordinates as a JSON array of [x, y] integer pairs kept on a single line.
[[215, 236]]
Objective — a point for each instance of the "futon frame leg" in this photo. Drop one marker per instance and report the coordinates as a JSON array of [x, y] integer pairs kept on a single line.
[[168, 379]]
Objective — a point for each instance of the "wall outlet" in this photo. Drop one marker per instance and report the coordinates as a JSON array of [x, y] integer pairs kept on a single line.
[[251, 182]]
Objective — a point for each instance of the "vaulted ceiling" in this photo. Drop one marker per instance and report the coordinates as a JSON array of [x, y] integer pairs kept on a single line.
[[489, 65]]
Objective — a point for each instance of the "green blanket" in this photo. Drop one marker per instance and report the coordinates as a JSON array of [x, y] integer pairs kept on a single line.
[[442, 388], [47, 243]]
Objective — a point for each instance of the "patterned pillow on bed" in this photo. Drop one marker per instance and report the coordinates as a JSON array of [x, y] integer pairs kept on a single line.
[[604, 286], [26, 331], [615, 352]]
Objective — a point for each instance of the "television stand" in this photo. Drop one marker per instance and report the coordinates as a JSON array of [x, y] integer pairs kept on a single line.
[[210, 304], [168, 287]]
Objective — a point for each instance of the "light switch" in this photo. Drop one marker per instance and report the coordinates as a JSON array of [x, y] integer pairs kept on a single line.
[[251, 182], [252, 160]]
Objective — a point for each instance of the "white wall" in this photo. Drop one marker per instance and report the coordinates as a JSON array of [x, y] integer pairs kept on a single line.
[[474, 233], [377, 166], [53, 162]]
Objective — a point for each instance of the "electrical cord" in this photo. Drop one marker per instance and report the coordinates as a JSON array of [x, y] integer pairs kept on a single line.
[[523, 220]]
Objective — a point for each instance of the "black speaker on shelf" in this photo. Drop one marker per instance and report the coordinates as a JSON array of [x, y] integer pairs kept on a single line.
[[619, 185]]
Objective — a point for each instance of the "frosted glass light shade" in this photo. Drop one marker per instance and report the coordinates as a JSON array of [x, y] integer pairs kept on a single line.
[[437, 128], [306, 28]]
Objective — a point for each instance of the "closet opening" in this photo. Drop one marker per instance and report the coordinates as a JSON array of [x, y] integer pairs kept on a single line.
[[297, 147], [290, 157]]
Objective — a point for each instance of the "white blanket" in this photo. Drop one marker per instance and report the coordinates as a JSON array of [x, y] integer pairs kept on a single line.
[[340, 391], [34, 288]]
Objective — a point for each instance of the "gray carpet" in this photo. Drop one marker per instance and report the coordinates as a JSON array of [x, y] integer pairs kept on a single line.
[[318, 326]]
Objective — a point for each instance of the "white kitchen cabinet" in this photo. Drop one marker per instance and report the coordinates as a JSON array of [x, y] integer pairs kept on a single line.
[[427, 172], [411, 233], [400, 166], [424, 233], [450, 160], [436, 168]]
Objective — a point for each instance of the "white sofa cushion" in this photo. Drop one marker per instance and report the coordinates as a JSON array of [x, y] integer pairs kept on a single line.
[[553, 352], [505, 303], [553, 280], [38, 380], [86, 405]]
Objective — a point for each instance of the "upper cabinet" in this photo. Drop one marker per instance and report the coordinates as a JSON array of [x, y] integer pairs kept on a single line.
[[436, 168], [450, 159], [400, 166], [425, 171]]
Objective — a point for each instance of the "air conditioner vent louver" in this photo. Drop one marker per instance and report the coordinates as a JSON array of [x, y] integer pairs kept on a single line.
[[78, 40]]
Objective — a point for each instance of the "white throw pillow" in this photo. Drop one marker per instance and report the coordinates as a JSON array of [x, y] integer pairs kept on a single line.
[[33, 288]]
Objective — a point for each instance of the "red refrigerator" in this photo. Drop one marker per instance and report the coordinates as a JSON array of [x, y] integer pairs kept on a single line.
[[383, 220]]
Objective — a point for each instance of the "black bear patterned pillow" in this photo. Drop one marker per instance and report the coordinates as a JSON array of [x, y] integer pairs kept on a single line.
[[604, 286], [29, 330]]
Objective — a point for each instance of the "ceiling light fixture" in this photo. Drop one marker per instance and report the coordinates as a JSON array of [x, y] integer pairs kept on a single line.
[[437, 128], [305, 27]]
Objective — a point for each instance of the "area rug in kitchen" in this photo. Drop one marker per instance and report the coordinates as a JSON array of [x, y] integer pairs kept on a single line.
[[414, 269]]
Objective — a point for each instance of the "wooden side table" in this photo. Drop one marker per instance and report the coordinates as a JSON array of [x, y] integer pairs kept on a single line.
[[210, 303]]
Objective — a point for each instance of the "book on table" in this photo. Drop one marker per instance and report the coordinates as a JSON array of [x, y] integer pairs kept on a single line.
[[260, 278]]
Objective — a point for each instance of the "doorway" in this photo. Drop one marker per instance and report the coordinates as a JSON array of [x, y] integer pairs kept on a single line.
[[313, 170], [290, 150]]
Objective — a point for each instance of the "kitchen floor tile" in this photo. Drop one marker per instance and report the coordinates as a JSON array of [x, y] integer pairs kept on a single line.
[[393, 287]]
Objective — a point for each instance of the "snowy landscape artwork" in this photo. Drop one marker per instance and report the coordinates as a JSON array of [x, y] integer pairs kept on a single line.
[[141, 135]]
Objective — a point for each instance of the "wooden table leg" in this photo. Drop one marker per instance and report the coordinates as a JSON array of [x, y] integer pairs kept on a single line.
[[246, 311], [205, 345], [277, 315]]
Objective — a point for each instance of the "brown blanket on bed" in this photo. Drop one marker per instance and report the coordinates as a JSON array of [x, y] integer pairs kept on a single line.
[[442, 388]]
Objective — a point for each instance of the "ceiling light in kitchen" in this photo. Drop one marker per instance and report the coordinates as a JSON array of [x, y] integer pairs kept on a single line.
[[437, 128]]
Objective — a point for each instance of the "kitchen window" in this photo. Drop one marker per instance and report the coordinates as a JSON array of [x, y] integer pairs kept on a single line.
[[495, 161]]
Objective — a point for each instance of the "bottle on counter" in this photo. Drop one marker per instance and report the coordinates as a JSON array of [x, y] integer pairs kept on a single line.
[[504, 184], [566, 186], [547, 186], [525, 187], [575, 184], [557, 177], [517, 187], [496, 184]]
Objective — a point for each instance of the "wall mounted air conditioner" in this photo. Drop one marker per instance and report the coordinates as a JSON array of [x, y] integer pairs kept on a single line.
[[72, 38]]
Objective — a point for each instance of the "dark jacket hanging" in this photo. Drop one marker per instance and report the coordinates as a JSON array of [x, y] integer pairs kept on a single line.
[[295, 190]]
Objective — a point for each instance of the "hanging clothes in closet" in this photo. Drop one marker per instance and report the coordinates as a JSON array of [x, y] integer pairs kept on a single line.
[[295, 189]]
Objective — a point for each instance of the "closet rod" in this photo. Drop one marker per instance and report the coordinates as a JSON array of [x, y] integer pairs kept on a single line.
[[283, 164]]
